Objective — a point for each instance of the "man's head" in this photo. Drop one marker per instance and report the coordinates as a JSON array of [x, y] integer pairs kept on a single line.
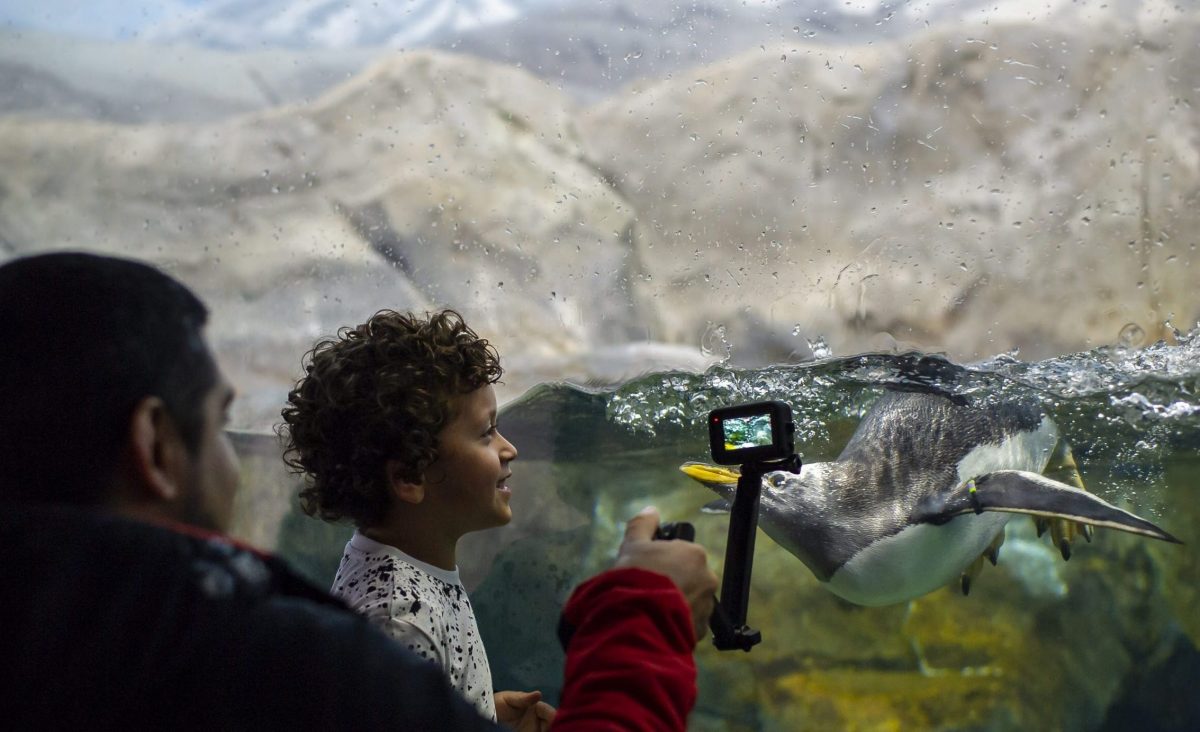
[[111, 396], [373, 400]]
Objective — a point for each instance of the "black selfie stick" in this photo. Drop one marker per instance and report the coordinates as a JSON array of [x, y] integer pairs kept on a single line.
[[728, 622], [742, 443]]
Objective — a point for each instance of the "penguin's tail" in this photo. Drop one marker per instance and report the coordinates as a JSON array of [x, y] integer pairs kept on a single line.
[[1019, 491]]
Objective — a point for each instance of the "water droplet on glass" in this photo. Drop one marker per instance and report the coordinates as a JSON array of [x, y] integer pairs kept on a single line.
[[714, 342], [1131, 336], [820, 349]]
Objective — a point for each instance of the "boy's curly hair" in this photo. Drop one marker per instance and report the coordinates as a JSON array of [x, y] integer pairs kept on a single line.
[[377, 392]]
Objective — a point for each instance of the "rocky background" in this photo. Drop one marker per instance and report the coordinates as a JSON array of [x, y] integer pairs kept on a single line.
[[973, 187]]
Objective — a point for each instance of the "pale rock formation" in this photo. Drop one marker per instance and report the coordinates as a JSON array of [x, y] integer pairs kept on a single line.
[[972, 190], [429, 180]]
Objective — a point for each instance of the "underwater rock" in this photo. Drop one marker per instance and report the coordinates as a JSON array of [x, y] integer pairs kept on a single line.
[[1009, 656], [1180, 570]]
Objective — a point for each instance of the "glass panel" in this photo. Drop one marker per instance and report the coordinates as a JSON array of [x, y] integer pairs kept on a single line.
[[655, 209]]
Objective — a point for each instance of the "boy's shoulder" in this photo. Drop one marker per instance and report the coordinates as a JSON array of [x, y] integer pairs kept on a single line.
[[376, 575]]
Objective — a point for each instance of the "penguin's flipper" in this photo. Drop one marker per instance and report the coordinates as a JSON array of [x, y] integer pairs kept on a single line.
[[1019, 491]]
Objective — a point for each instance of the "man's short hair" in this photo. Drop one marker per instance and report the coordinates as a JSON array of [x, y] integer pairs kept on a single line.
[[87, 337], [377, 392]]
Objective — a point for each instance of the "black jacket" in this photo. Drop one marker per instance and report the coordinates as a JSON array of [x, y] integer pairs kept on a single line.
[[109, 623]]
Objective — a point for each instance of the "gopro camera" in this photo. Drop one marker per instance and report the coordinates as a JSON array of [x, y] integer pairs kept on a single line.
[[751, 433]]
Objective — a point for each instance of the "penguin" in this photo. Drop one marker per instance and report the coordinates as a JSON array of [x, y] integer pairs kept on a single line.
[[921, 494]]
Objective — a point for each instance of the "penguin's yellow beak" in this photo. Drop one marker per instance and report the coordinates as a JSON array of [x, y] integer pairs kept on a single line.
[[710, 475]]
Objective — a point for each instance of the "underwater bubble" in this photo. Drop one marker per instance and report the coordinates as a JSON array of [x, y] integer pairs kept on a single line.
[[1135, 407]]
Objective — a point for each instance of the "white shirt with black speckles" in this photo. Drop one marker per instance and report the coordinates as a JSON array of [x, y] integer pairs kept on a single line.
[[422, 606]]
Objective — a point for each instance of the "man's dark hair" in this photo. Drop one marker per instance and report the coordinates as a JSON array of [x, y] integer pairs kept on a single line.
[[87, 337], [377, 392]]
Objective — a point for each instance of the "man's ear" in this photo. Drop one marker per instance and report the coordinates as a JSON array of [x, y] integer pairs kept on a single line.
[[157, 459], [402, 489]]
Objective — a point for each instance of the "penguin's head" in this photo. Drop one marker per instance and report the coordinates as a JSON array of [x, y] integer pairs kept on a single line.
[[791, 509], [776, 487]]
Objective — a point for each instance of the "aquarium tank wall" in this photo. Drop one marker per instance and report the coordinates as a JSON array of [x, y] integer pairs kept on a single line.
[[654, 209]]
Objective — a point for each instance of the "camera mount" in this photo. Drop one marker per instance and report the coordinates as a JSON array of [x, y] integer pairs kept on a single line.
[[760, 438], [728, 623]]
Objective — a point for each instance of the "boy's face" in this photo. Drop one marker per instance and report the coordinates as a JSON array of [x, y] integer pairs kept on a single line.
[[468, 481]]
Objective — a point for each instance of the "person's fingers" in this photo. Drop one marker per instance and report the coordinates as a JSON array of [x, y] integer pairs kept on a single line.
[[518, 701], [702, 610], [642, 526], [545, 712], [530, 722]]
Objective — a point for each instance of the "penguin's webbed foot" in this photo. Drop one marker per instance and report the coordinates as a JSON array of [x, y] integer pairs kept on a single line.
[[1062, 467], [1065, 531], [992, 554], [1059, 531], [993, 551], [970, 573]]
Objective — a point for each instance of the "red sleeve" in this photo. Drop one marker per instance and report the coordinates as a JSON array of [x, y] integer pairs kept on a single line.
[[629, 661]]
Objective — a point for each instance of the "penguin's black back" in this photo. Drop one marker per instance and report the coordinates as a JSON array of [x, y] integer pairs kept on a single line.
[[910, 442]]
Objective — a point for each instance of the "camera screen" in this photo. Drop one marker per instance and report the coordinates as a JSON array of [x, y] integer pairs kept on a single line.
[[751, 433], [743, 432]]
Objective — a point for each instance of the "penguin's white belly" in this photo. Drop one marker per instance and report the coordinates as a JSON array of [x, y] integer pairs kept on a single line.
[[918, 560], [924, 557]]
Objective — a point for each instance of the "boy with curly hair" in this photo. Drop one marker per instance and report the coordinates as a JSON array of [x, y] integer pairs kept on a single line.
[[394, 427]]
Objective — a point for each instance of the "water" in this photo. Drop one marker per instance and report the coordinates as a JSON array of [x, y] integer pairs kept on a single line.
[[1098, 642]]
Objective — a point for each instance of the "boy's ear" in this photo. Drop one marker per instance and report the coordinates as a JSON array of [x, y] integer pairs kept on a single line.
[[157, 459], [403, 489]]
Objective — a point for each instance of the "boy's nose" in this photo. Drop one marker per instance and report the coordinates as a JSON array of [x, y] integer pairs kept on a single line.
[[508, 449]]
